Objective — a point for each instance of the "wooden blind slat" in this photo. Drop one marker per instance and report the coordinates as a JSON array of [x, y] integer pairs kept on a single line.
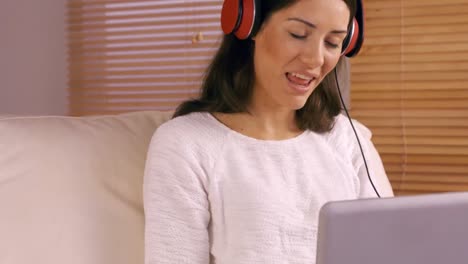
[[423, 141], [192, 62], [139, 72], [410, 76], [372, 5], [138, 40], [210, 43], [124, 32], [108, 16], [412, 67], [157, 24], [409, 85], [83, 90], [134, 60], [409, 58], [418, 113], [131, 5], [408, 94], [135, 80], [415, 104]]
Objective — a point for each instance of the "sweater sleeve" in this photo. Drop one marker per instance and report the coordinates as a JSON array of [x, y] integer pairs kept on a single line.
[[175, 202], [375, 166]]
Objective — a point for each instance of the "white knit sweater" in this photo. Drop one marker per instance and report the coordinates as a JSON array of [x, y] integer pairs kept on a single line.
[[212, 195]]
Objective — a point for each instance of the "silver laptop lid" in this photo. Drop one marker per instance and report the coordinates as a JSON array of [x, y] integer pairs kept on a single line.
[[422, 229]]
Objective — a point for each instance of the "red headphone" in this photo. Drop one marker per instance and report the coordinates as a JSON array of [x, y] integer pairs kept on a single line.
[[242, 18]]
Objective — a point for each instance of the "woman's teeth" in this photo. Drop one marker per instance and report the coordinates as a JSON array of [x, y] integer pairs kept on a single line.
[[299, 78]]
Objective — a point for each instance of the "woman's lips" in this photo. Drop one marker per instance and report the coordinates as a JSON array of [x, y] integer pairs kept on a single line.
[[299, 83]]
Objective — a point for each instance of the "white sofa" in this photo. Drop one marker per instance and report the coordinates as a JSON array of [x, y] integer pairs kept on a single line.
[[70, 188]]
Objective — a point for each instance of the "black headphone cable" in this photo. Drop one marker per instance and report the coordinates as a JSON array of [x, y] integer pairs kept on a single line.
[[355, 133]]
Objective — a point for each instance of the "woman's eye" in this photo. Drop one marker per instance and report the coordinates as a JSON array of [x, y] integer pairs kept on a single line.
[[333, 45], [296, 36]]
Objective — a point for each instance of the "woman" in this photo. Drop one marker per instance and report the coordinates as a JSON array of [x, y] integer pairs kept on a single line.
[[239, 175]]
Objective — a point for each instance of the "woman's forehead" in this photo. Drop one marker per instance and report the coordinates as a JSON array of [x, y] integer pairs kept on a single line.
[[330, 12]]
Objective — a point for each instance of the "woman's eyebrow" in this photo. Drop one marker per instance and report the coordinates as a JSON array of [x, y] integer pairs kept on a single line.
[[312, 25]]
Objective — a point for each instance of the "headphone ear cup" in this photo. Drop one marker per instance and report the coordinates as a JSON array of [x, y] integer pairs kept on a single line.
[[231, 15], [240, 17], [349, 44], [247, 22], [353, 42]]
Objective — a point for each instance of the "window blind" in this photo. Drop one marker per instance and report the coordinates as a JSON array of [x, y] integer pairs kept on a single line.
[[409, 83], [410, 87], [138, 55]]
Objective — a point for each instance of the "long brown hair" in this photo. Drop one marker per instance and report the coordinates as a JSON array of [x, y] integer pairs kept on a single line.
[[229, 80]]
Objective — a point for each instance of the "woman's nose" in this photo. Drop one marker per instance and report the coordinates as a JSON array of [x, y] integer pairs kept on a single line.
[[313, 55]]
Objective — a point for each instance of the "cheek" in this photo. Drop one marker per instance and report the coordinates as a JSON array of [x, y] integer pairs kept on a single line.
[[275, 51], [330, 63]]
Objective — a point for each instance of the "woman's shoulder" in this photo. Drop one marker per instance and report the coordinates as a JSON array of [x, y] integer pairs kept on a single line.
[[342, 137], [182, 123], [346, 127], [189, 130]]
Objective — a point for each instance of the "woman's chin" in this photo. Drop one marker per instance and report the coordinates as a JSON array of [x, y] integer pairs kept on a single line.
[[298, 103]]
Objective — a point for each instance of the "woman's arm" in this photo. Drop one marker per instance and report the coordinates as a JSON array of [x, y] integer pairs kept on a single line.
[[175, 203]]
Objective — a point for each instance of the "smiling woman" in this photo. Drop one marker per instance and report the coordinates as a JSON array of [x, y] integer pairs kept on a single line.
[[297, 43], [239, 175]]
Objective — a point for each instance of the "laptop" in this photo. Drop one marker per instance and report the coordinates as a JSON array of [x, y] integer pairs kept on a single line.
[[420, 229]]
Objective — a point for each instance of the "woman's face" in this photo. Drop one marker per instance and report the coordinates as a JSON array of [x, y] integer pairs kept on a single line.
[[296, 48]]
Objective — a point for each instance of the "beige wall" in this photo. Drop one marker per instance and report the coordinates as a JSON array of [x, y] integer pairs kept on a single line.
[[33, 57]]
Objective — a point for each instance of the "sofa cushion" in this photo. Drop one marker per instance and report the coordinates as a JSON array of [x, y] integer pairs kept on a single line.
[[71, 188]]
